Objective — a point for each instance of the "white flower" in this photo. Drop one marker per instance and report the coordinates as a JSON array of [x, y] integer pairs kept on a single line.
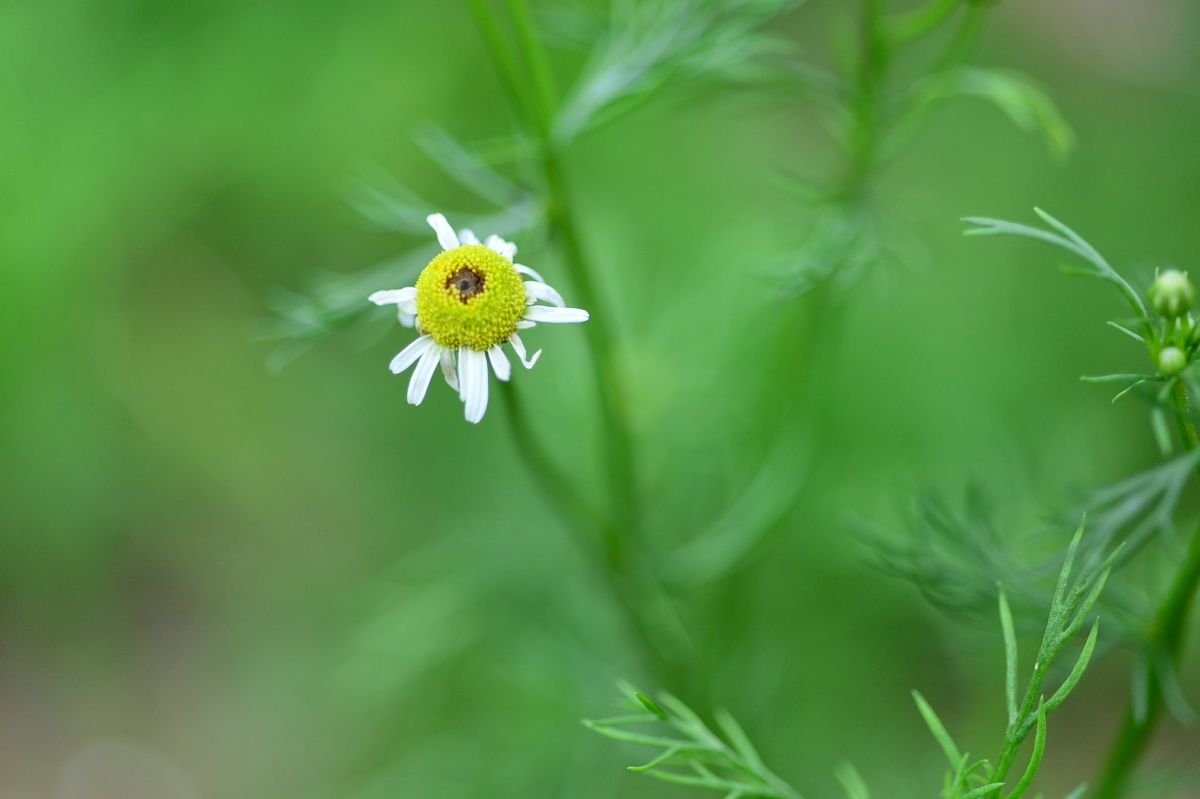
[[467, 302]]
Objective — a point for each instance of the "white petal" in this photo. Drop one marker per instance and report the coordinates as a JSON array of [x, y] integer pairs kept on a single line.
[[540, 291], [445, 233], [409, 354], [449, 370], [505, 248], [525, 324], [500, 364], [467, 236], [394, 296], [519, 348], [525, 270], [406, 319], [473, 366], [542, 313], [421, 376]]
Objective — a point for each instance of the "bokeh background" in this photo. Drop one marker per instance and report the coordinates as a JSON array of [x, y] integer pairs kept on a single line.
[[219, 581]]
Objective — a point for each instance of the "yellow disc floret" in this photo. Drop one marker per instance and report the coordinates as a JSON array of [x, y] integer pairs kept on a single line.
[[470, 296]]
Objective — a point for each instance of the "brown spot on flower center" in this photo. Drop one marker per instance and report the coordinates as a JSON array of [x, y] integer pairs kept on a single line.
[[467, 282]]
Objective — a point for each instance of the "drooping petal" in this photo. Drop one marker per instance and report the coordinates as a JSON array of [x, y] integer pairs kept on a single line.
[[473, 368], [467, 236], [544, 313], [421, 376], [519, 348], [525, 324], [535, 291], [500, 364], [505, 248], [525, 270], [449, 370], [445, 233], [409, 355], [406, 319], [394, 296]]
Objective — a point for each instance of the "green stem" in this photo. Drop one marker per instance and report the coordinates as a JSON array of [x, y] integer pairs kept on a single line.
[[636, 588], [538, 63], [1187, 429], [1016, 732], [636, 591], [566, 501], [908, 27], [1165, 634], [617, 439], [505, 61], [574, 510], [867, 110]]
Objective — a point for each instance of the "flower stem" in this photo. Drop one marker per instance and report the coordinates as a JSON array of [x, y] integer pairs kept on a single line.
[[1187, 429], [574, 510], [1165, 634], [636, 590], [562, 495]]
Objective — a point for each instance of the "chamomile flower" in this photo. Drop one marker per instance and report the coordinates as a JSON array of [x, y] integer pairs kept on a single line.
[[469, 301]]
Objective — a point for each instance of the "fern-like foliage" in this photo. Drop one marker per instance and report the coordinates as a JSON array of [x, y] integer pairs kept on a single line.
[[1070, 608], [688, 752]]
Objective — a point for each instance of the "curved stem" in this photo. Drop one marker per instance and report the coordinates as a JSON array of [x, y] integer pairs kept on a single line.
[[574, 510], [1187, 429], [617, 439], [567, 502], [635, 589], [1165, 634]]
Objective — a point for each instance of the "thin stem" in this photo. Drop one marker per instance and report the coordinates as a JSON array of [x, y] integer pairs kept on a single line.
[[502, 56], [636, 590], [1187, 429], [538, 63], [1165, 634], [574, 510], [867, 110], [907, 28], [566, 501], [1016, 732], [617, 441]]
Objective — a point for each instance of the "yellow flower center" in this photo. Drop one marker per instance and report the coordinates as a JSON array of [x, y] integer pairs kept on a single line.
[[470, 297]]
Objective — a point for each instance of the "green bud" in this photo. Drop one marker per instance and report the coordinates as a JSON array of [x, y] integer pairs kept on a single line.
[[1171, 361], [1172, 294]]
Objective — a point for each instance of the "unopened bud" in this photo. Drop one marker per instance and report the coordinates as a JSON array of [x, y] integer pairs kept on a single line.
[[1171, 361], [1172, 294]]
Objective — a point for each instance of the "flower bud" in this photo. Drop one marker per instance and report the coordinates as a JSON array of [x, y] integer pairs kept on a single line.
[[1171, 361], [1172, 294]]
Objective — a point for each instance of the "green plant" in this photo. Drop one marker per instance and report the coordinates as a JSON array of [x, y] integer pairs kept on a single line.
[[689, 753], [1169, 336]]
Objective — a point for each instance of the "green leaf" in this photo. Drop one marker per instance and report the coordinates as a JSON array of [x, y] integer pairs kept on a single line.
[[852, 782], [1035, 758], [650, 705], [1024, 102], [737, 738], [1010, 657], [938, 729], [466, 167], [1127, 332], [1162, 431], [1077, 670], [1066, 238]]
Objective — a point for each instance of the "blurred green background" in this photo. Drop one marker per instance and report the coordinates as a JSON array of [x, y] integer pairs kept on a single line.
[[219, 582]]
